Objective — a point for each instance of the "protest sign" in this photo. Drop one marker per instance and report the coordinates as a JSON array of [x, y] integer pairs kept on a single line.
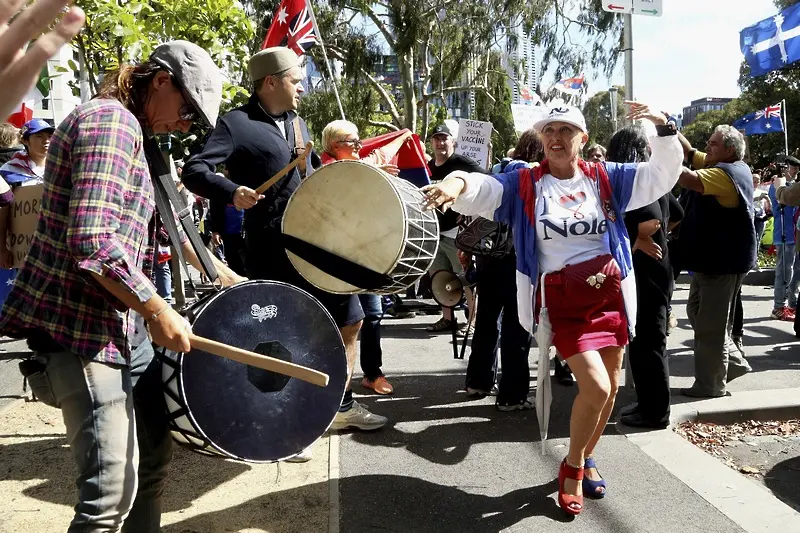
[[473, 140], [23, 219]]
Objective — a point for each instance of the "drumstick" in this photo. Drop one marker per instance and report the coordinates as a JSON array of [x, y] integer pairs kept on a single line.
[[285, 170], [315, 377]]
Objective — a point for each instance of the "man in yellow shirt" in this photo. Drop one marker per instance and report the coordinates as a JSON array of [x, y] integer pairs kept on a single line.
[[717, 243]]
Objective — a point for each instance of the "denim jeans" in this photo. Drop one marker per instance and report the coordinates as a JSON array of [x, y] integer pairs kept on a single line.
[[163, 280], [118, 434], [371, 353], [787, 276]]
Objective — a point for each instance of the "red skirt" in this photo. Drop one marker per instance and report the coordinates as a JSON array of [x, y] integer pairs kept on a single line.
[[585, 314]]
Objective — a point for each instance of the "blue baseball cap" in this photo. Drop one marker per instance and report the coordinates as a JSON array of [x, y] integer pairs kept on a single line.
[[36, 125]]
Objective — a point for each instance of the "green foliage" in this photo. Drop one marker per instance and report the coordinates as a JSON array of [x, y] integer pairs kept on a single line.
[[598, 116], [120, 31], [446, 47], [497, 110]]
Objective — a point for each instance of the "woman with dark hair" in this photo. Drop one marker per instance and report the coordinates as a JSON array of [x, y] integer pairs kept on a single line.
[[498, 295], [84, 298], [574, 259], [648, 225]]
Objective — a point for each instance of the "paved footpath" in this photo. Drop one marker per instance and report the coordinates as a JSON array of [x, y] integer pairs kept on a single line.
[[446, 463]]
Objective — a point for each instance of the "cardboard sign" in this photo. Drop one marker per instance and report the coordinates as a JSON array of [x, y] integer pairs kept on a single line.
[[473, 140], [24, 217], [526, 115]]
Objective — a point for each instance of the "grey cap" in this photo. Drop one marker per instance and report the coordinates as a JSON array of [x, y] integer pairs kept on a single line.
[[271, 61], [197, 74]]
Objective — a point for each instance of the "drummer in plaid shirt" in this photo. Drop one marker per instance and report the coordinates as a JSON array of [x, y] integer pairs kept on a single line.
[[84, 294]]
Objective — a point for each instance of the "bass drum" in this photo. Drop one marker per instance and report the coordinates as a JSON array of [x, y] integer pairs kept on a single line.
[[221, 407], [362, 214]]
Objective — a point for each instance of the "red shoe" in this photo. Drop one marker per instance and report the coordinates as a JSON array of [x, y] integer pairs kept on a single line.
[[380, 385], [572, 505]]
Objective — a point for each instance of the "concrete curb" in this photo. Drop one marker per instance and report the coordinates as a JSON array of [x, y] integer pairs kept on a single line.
[[775, 404], [734, 495], [765, 276]]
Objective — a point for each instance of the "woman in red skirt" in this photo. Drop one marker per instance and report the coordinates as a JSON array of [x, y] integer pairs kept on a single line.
[[573, 254]]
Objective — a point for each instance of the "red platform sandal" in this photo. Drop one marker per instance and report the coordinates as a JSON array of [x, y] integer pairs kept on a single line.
[[572, 505]]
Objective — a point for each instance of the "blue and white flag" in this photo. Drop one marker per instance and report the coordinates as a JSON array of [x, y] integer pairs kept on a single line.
[[766, 120], [772, 43]]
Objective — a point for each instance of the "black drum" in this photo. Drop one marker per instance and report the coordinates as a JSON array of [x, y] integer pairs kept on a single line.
[[220, 407]]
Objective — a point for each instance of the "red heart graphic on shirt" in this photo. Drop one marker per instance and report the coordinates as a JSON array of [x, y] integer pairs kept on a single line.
[[571, 200]]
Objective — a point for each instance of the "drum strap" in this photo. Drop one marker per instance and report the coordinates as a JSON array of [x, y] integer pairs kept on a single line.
[[166, 193], [336, 265]]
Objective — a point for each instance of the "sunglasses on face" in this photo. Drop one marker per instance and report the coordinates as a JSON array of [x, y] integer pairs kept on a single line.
[[355, 142], [187, 111]]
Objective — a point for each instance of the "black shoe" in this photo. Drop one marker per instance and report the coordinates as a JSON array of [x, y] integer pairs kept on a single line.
[[564, 374], [631, 409], [636, 420], [694, 393], [737, 372]]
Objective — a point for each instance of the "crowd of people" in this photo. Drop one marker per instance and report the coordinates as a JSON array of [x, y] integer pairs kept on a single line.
[[597, 239]]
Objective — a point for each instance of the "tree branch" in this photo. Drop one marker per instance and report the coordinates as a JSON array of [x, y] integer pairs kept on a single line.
[[382, 26], [384, 94], [389, 126]]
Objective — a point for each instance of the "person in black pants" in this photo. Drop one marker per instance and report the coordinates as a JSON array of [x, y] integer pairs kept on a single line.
[[647, 228], [497, 291]]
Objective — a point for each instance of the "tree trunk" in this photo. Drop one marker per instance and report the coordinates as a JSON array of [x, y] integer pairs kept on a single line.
[[406, 63]]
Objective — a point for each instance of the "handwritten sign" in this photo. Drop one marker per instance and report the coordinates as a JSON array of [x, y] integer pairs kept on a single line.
[[526, 115], [473, 140], [24, 218]]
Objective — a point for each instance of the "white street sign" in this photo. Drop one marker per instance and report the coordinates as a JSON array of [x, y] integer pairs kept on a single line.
[[652, 8], [618, 6]]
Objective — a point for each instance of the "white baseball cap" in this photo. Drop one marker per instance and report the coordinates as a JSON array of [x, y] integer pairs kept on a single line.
[[562, 113]]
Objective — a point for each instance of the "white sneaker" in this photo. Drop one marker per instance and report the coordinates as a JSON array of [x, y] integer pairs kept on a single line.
[[358, 417], [302, 457]]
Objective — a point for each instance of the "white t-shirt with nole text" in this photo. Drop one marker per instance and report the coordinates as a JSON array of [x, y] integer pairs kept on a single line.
[[570, 224]]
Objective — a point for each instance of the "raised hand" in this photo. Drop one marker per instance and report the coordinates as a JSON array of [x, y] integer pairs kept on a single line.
[[19, 68]]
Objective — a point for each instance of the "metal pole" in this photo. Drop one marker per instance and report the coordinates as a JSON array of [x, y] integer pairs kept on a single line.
[[785, 128], [612, 95], [627, 45], [325, 55]]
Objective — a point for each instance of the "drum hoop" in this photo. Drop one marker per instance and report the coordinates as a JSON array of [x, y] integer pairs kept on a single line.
[[181, 355], [406, 218]]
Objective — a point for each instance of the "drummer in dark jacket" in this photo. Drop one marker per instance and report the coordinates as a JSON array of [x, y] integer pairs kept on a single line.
[[255, 141]]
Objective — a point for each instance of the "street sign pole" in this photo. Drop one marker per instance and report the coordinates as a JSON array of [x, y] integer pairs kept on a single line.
[[627, 45]]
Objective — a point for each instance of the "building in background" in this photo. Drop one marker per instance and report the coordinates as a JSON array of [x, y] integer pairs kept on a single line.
[[702, 105], [520, 62], [55, 104]]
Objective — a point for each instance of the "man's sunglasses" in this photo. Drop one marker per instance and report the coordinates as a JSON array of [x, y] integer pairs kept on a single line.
[[187, 111]]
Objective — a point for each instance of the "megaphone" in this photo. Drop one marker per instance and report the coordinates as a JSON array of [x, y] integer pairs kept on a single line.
[[447, 288]]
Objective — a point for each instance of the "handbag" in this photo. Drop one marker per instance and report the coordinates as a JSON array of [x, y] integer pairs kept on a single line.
[[591, 282], [486, 238]]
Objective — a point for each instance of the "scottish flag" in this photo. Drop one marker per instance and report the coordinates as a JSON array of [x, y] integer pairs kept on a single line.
[[766, 120], [772, 43]]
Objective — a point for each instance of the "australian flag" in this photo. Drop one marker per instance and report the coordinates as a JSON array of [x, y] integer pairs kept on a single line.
[[762, 121], [292, 26], [772, 43]]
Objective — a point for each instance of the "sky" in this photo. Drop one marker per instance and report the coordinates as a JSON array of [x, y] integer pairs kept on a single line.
[[690, 52]]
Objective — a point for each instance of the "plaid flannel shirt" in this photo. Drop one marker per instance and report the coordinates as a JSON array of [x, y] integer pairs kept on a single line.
[[96, 217]]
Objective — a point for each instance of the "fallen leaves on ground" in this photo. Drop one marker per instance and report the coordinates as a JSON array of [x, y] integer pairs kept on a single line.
[[713, 438]]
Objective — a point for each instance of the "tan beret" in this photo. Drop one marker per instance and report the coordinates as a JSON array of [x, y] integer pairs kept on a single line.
[[271, 61]]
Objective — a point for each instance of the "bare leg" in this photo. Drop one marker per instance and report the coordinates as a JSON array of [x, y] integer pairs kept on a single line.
[[447, 313], [350, 339], [594, 389], [612, 359]]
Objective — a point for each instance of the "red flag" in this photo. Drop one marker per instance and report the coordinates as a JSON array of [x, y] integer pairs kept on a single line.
[[410, 159], [292, 27], [23, 114]]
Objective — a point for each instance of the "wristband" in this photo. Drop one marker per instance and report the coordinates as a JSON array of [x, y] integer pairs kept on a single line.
[[666, 130], [156, 315]]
